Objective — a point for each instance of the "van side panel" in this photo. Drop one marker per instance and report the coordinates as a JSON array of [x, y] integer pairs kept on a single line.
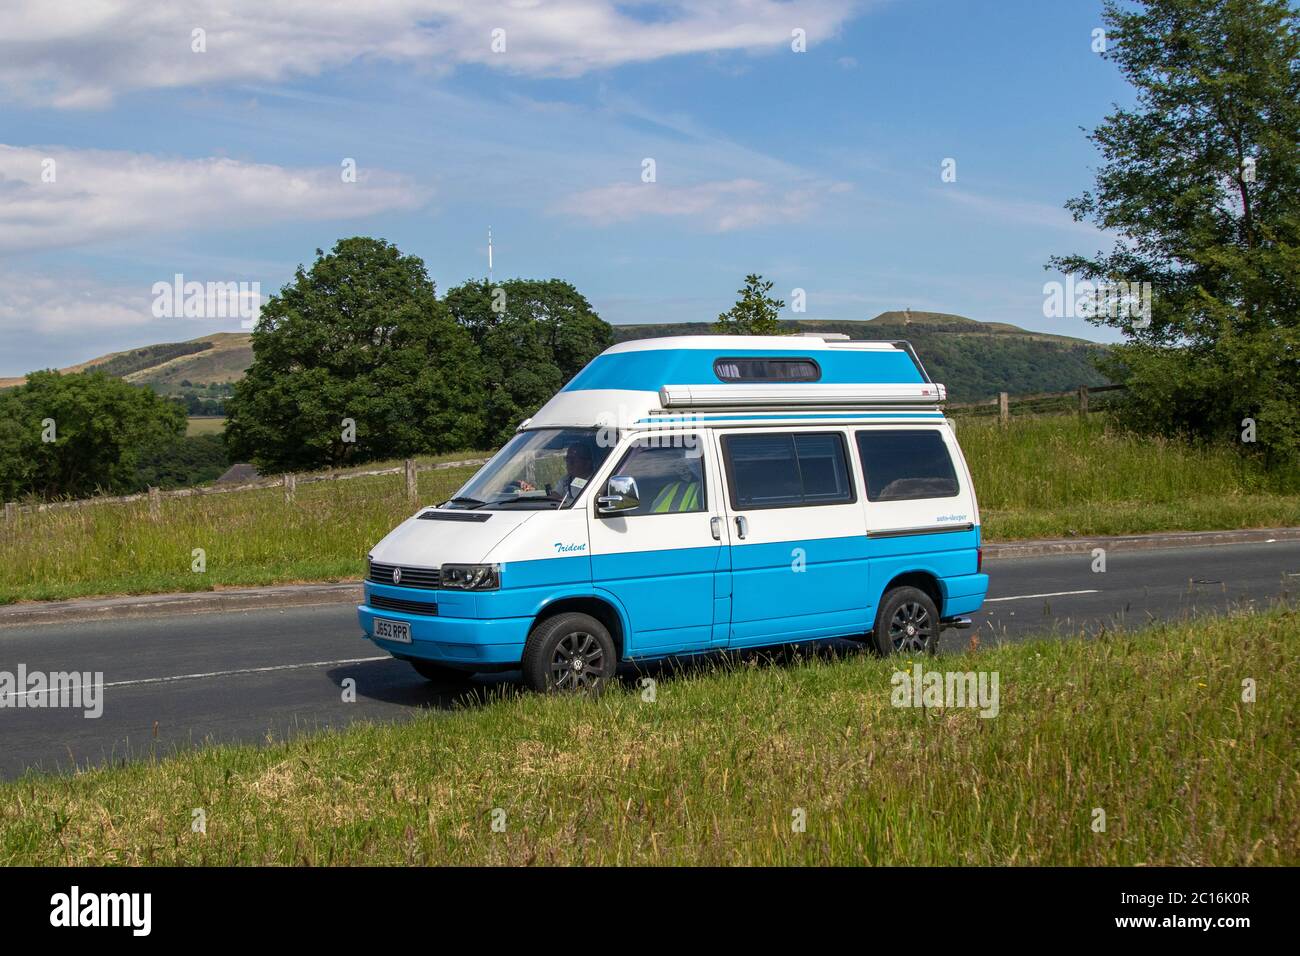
[[825, 597], [668, 595], [526, 586], [949, 556]]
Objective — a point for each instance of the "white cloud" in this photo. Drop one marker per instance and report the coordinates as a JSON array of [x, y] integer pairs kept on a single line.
[[99, 195], [82, 53], [47, 303], [720, 206]]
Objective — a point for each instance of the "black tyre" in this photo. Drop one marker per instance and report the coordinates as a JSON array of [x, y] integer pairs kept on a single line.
[[569, 652], [439, 672], [907, 623]]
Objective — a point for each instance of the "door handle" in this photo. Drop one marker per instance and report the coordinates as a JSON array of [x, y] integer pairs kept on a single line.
[[742, 527], [715, 528]]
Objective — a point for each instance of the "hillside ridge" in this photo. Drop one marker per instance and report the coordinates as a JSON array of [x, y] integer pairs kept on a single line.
[[974, 359]]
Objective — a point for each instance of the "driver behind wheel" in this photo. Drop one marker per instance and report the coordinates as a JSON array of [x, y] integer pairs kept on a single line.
[[577, 465]]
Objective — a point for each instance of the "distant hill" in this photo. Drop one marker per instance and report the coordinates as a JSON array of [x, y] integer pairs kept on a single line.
[[975, 360], [215, 359]]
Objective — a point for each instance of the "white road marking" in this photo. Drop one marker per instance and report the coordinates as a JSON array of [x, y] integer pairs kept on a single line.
[[244, 670], [208, 674], [1025, 597]]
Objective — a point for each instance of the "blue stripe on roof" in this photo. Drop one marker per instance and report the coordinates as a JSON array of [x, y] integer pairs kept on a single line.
[[763, 418], [648, 371]]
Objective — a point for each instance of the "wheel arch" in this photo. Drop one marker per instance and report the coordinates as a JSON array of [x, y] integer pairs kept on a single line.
[[601, 608], [923, 580]]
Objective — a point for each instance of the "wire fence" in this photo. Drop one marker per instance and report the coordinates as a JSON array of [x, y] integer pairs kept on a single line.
[[289, 482], [1079, 399]]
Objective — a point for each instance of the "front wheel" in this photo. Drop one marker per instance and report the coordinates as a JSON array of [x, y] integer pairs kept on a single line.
[[569, 652], [907, 623]]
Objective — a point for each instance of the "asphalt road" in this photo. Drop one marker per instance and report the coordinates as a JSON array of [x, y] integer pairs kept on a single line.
[[183, 680]]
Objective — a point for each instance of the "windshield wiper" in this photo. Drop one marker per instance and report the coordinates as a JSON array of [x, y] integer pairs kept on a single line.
[[469, 503], [517, 499]]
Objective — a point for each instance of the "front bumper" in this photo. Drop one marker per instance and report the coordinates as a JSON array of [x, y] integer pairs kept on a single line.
[[453, 635]]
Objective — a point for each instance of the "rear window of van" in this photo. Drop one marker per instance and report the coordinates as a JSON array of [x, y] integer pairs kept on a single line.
[[905, 464]]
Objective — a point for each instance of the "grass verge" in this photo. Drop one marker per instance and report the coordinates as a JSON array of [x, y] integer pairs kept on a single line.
[[1149, 727]]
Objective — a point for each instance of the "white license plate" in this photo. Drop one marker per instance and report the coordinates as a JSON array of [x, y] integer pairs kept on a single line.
[[398, 631]]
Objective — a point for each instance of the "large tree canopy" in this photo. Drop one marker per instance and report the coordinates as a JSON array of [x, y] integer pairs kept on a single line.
[[534, 335], [75, 435], [1200, 179], [359, 337]]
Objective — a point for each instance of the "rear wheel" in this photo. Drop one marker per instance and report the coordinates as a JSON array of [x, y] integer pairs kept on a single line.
[[907, 623], [439, 672], [569, 652]]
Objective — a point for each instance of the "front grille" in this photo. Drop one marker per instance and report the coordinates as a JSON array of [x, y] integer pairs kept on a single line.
[[411, 577], [381, 603]]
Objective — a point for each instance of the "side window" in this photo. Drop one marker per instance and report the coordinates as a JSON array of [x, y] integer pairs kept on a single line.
[[767, 370], [787, 471], [904, 465], [669, 475]]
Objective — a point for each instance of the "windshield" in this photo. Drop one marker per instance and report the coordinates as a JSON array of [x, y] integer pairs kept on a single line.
[[544, 468]]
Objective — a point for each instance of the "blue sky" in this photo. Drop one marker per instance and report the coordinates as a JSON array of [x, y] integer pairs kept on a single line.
[[820, 169]]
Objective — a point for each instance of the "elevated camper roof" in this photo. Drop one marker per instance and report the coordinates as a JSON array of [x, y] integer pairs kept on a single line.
[[725, 378], [648, 364]]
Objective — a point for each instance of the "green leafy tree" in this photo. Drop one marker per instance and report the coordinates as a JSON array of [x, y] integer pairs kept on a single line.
[[182, 461], [360, 337], [534, 335], [101, 428], [1201, 181], [755, 312]]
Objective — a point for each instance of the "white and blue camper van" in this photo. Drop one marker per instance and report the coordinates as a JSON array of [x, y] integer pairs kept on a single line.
[[692, 494]]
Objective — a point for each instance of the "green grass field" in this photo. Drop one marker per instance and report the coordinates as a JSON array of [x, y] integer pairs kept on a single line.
[[1056, 476], [205, 426], [1150, 728], [248, 538], [1040, 477]]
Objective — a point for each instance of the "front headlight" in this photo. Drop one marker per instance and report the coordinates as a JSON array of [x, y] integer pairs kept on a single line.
[[471, 577]]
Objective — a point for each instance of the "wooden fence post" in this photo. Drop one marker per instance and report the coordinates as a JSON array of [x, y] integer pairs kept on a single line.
[[1004, 407], [412, 486], [11, 513], [155, 504], [1083, 401], [290, 486]]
